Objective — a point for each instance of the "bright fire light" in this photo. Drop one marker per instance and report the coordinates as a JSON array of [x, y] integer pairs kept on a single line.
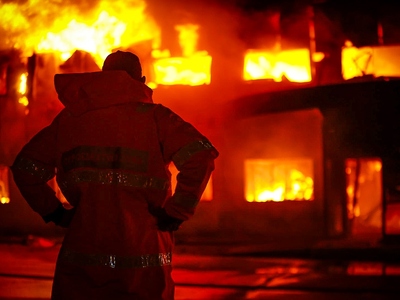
[[192, 69], [278, 180], [363, 185], [373, 60], [294, 65], [98, 38], [4, 188], [107, 26], [53, 26], [22, 89]]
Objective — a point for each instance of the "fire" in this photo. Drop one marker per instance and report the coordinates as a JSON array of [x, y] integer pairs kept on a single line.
[[22, 83], [374, 60], [183, 70], [22, 89], [363, 185], [270, 180], [44, 26], [292, 64], [188, 37], [192, 69], [32, 27], [4, 188], [98, 38]]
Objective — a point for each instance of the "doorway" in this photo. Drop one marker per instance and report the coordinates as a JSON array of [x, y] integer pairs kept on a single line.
[[364, 196]]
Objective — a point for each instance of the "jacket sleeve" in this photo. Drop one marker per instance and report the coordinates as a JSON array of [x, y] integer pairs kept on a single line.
[[33, 167], [193, 155]]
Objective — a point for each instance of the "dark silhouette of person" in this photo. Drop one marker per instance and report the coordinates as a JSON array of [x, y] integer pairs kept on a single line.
[[110, 148]]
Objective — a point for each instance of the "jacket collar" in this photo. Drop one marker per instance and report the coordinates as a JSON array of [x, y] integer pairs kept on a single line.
[[82, 92]]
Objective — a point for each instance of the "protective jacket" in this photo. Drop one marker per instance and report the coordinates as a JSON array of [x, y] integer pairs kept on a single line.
[[109, 149]]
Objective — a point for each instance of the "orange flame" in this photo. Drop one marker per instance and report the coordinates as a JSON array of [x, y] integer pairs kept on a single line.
[[370, 60], [293, 64], [98, 39], [270, 180], [362, 185], [45, 26], [192, 69], [31, 27], [22, 89], [4, 188]]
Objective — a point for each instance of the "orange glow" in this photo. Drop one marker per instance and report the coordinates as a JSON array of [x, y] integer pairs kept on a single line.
[[366, 269], [194, 68], [208, 192], [109, 25], [191, 71], [22, 83], [188, 37], [294, 65], [98, 38], [318, 56], [4, 188], [53, 184], [22, 89], [376, 61], [373, 269], [23, 100], [278, 180], [364, 194], [392, 218], [31, 26]]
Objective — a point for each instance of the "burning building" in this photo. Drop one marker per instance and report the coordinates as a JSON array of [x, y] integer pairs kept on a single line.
[[299, 98]]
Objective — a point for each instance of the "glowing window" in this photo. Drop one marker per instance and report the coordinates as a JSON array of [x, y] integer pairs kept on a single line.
[[278, 180], [183, 70], [193, 68], [294, 65], [376, 61]]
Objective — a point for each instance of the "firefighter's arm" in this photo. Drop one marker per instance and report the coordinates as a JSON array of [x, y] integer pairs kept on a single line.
[[192, 180], [195, 163], [193, 156], [33, 167]]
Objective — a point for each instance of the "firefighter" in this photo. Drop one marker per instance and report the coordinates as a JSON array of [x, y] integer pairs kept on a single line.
[[109, 149]]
